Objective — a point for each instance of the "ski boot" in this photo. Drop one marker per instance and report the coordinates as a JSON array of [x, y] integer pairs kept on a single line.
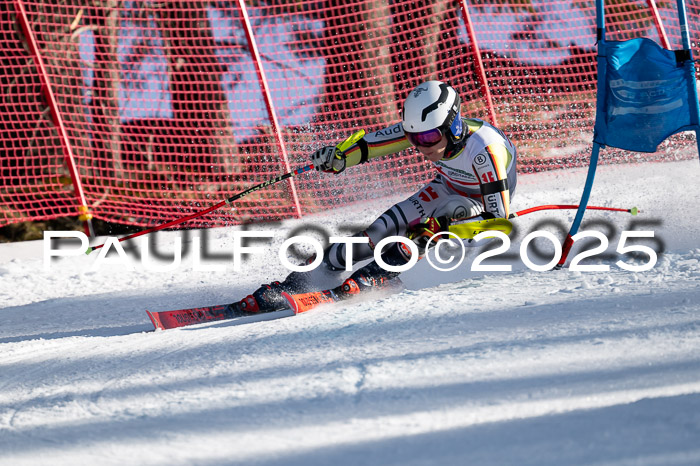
[[267, 298], [369, 278], [347, 289]]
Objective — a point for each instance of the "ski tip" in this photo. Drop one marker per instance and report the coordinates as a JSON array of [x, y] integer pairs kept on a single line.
[[294, 306], [88, 251], [634, 211], [157, 325]]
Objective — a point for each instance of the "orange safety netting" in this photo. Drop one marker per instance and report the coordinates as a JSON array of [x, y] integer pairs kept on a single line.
[[139, 112]]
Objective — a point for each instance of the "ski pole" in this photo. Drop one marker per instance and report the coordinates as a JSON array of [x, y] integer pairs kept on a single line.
[[520, 213], [342, 147], [471, 229]]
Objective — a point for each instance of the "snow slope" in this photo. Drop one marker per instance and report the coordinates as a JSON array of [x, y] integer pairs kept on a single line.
[[519, 367]]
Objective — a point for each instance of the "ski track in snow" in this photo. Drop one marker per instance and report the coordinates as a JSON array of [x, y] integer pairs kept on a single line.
[[519, 367]]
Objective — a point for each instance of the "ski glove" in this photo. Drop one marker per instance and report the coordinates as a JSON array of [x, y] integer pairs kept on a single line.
[[426, 229], [329, 159]]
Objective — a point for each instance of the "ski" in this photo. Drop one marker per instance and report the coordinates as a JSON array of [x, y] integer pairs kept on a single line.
[[298, 303], [165, 320]]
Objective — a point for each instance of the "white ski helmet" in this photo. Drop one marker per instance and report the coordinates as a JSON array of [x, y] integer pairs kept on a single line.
[[433, 105]]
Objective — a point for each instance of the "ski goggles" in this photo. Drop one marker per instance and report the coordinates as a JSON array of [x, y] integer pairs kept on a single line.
[[425, 138]]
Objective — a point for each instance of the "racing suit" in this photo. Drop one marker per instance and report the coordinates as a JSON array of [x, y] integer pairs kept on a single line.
[[476, 177]]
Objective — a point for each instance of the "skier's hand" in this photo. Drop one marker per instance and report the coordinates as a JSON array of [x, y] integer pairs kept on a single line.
[[329, 159], [426, 229]]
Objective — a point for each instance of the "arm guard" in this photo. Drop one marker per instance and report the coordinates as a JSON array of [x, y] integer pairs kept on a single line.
[[493, 180], [378, 144]]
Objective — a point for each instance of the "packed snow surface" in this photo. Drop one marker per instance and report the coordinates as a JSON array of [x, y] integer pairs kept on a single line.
[[463, 367]]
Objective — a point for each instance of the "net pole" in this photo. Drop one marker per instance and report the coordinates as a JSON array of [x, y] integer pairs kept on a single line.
[[83, 210], [267, 97], [480, 70], [659, 24]]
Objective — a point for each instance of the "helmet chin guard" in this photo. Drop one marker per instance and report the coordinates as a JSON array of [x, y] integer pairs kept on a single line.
[[433, 104]]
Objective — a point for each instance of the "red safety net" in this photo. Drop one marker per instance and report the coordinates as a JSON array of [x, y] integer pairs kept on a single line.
[[142, 112]]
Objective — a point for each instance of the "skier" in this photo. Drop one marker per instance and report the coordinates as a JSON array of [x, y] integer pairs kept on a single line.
[[476, 178]]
